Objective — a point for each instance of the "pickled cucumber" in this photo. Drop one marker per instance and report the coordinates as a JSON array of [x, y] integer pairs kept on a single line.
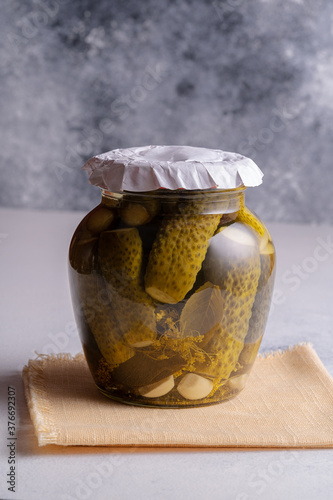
[[222, 357], [232, 263], [136, 211], [120, 258], [245, 215], [263, 298], [227, 341], [177, 256], [233, 260], [100, 219], [102, 320], [249, 352], [83, 253], [196, 202]]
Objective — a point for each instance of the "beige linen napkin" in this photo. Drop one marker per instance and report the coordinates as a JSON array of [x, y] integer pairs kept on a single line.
[[287, 402]]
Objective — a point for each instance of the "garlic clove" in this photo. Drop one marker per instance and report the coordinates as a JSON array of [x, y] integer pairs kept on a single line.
[[158, 389], [193, 386], [237, 383]]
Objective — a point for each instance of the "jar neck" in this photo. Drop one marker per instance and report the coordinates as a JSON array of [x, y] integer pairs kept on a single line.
[[207, 201]]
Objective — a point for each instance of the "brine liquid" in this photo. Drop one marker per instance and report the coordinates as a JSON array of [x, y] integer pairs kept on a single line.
[[171, 303]]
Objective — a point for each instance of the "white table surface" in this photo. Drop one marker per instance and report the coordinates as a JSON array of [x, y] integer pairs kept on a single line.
[[36, 316]]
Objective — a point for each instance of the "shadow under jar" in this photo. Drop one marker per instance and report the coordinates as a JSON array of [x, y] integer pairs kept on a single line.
[[171, 293]]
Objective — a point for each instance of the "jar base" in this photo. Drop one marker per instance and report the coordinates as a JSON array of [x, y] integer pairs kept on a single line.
[[135, 401]]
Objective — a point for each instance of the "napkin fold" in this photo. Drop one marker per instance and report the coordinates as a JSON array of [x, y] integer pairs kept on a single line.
[[287, 402]]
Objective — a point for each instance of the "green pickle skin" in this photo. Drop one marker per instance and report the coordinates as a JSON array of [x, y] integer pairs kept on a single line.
[[177, 255], [102, 319], [238, 277], [171, 297], [120, 259], [180, 248]]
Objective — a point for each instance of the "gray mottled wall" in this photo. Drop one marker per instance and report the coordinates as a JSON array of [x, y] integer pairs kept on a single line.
[[82, 77]]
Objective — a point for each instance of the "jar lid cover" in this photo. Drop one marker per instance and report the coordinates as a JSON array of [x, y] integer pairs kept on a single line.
[[149, 168]]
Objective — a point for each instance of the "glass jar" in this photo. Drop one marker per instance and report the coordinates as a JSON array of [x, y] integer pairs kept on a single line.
[[171, 293]]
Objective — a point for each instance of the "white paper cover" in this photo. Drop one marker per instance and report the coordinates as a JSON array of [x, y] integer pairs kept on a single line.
[[149, 168]]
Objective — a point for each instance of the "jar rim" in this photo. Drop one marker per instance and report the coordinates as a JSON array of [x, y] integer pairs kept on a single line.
[[169, 193], [208, 201]]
